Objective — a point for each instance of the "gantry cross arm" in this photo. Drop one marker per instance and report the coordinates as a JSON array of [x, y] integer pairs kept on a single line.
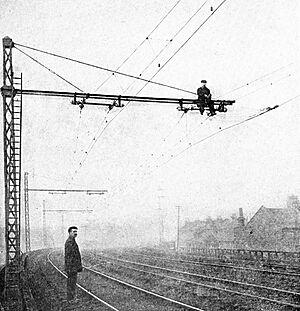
[[117, 98], [87, 191], [69, 210]]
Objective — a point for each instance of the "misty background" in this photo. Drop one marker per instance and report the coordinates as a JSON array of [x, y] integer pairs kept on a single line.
[[247, 51]]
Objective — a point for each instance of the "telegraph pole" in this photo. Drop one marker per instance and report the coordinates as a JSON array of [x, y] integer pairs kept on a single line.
[[50, 191], [178, 224], [161, 220], [44, 225], [62, 212]]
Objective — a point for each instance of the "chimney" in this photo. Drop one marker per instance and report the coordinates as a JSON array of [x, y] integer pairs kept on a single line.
[[241, 219]]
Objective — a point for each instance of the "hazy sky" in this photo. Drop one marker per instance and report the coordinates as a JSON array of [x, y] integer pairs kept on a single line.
[[251, 46]]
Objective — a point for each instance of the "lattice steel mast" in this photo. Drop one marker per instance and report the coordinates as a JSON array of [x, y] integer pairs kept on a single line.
[[26, 212], [12, 126]]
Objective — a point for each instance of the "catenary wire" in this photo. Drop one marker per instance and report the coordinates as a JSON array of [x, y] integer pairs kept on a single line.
[[174, 36], [147, 81], [156, 160], [269, 84], [255, 80], [159, 71], [168, 44], [135, 50], [173, 55], [189, 38], [268, 109], [183, 139]]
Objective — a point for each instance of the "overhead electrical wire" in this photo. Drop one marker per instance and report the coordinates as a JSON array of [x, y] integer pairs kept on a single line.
[[269, 84], [139, 166], [189, 38], [91, 145], [127, 75], [65, 80], [268, 109], [105, 69], [174, 36], [53, 72], [149, 81], [147, 38], [184, 139], [169, 42], [255, 80], [156, 160], [173, 157]]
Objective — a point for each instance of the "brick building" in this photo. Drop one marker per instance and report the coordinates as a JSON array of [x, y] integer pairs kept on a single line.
[[272, 229], [269, 229]]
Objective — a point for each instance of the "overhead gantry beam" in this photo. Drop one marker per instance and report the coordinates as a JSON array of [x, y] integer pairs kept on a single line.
[[117, 98]]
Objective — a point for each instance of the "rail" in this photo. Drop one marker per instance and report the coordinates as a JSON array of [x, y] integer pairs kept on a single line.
[[245, 253]]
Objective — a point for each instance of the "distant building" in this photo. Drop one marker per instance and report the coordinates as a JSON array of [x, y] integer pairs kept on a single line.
[[269, 229], [208, 233], [273, 229]]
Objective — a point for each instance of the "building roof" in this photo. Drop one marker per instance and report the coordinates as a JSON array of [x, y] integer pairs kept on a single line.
[[285, 216]]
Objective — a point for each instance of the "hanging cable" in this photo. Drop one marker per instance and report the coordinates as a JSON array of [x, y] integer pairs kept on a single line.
[[169, 43], [147, 38], [53, 72], [77, 132], [91, 145], [269, 84], [266, 110], [149, 81], [173, 38], [162, 67], [255, 80], [173, 128], [156, 160], [105, 69], [175, 53]]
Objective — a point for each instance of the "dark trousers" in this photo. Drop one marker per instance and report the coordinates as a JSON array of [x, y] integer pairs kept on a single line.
[[71, 285], [206, 102]]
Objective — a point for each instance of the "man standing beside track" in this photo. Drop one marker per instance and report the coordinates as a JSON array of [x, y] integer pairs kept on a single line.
[[72, 262]]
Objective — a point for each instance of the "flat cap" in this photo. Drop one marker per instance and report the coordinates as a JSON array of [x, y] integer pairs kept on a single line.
[[203, 81]]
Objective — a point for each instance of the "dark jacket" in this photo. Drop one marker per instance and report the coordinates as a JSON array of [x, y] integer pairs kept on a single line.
[[72, 257], [203, 91]]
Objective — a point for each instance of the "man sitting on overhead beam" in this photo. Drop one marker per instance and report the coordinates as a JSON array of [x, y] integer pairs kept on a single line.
[[204, 99]]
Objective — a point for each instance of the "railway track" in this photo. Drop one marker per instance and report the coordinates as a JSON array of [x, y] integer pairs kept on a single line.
[[282, 266], [121, 295], [274, 296], [49, 287], [108, 283], [273, 269]]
